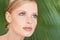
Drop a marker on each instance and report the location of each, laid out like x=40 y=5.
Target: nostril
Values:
x=29 y=22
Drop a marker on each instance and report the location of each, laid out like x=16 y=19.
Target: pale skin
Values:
x=23 y=16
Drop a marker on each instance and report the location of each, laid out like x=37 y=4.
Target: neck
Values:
x=11 y=35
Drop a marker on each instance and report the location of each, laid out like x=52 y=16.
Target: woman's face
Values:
x=23 y=19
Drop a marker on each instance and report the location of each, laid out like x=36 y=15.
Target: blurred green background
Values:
x=48 y=27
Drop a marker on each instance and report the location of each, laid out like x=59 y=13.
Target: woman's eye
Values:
x=34 y=16
x=22 y=13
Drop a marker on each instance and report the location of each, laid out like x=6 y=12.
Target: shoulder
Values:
x=2 y=38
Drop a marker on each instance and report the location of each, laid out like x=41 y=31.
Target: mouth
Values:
x=27 y=29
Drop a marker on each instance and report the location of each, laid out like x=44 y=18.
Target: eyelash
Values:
x=34 y=16
x=23 y=13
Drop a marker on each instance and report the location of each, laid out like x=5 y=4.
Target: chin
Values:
x=28 y=34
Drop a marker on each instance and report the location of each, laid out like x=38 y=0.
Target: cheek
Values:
x=18 y=24
x=18 y=20
x=34 y=24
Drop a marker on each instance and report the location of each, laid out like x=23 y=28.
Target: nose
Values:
x=29 y=20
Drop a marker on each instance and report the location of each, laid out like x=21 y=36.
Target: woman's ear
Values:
x=8 y=17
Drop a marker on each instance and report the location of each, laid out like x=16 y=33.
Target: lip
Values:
x=27 y=28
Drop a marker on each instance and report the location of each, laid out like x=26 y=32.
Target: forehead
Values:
x=31 y=6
